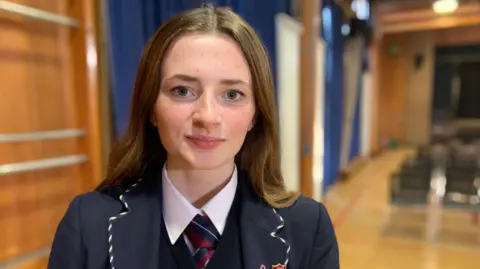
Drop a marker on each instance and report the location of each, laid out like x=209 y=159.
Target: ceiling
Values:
x=393 y=16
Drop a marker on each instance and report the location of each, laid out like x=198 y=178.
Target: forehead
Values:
x=206 y=55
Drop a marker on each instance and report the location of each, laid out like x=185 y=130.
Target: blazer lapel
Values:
x=134 y=234
x=263 y=242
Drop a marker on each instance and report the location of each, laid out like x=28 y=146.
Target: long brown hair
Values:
x=259 y=156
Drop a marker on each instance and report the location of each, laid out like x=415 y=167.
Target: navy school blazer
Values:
x=121 y=229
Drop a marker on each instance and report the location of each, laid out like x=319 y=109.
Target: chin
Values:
x=206 y=160
x=207 y=164
x=203 y=160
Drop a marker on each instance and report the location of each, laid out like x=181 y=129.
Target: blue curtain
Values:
x=332 y=22
x=131 y=23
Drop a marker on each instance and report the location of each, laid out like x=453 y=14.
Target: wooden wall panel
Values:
x=391 y=88
x=49 y=83
x=83 y=48
x=375 y=58
x=31 y=206
x=419 y=90
x=311 y=27
x=458 y=36
x=35 y=150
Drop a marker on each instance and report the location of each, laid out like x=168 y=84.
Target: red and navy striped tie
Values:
x=204 y=237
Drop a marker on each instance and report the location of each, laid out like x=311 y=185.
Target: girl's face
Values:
x=206 y=104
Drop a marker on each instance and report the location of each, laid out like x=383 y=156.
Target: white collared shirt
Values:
x=178 y=212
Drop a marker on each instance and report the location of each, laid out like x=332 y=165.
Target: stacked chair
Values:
x=410 y=185
x=462 y=188
x=410 y=188
x=441 y=178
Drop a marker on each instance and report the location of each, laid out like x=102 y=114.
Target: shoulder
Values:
x=88 y=211
x=81 y=230
x=309 y=214
x=310 y=229
x=95 y=202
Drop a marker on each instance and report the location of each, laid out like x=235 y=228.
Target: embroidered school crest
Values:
x=279 y=266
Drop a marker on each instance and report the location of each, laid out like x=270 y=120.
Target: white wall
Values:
x=288 y=39
x=288 y=44
x=366 y=114
x=318 y=143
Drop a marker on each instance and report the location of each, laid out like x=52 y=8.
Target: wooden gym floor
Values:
x=359 y=207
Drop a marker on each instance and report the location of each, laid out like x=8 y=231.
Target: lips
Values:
x=204 y=142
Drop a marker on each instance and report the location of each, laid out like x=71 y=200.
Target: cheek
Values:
x=170 y=119
x=239 y=122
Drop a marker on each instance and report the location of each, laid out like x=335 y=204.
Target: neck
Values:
x=199 y=186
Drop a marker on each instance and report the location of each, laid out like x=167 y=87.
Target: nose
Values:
x=206 y=114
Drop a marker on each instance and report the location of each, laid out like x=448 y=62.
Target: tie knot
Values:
x=202 y=233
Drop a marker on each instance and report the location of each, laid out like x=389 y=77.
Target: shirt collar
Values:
x=178 y=212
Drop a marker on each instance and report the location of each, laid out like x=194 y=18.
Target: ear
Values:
x=250 y=126
x=153 y=120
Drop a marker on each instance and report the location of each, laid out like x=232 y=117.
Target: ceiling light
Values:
x=445 y=6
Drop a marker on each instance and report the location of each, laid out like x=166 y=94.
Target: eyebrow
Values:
x=188 y=78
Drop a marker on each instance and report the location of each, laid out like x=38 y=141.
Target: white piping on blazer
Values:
x=274 y=234
x=114 y=218
x=122 y=199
